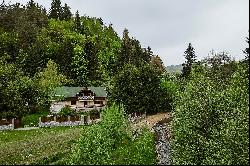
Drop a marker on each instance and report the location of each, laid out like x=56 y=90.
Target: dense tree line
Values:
x=85 y=50
x=41 y=50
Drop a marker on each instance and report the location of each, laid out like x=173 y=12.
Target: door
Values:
x=85 y=103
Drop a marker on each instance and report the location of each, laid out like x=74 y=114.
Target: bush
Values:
x=210 y=123
x=98 y=141
x=109 y=142
x=67 y=111
x=33 y=119
x=170 y=86
x=140 y=151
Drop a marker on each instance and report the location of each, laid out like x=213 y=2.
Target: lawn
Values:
x=41 y=146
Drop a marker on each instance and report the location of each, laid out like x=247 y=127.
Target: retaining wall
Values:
x=7 y=124
x=68 y=121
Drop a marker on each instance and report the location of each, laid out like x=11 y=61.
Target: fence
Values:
x=10 y=124
x=52 y=121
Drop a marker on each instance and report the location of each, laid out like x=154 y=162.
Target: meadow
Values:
x=40 y=146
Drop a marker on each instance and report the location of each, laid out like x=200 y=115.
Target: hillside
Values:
x=174 y=68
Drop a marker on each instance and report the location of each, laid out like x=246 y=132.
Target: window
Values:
x=98 y=102
x=73 y=102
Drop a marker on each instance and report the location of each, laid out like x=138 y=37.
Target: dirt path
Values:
x=151 y=120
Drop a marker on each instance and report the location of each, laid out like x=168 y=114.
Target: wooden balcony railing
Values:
x=86 y=97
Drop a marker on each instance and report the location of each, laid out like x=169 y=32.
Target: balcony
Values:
x=86 y=97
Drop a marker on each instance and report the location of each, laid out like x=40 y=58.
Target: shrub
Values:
x=210 y=124
x=140 y=151
x=33 y=119
x=98 y=141
x=170 y=86
x=110 y=142
x=67 y=111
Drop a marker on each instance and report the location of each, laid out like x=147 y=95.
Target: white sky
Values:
x=167 y=26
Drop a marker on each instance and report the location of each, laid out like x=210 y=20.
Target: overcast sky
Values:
x=167 y=26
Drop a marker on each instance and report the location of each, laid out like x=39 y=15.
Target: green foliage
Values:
x=67 y=111
x=158 y=64
x=66 y=13
x=138 y=89
x=210 y=123
x=33 y=119
x=79 y=66
x=190 y=60
x=220 y=68
x=98 y=142
x=170 y=85
x=138 y=152
x=20 y=94
x=78 y=26
x=246 y=51
x=14 y=91
x=56 y=10
x=110 y=142
x=131 y=52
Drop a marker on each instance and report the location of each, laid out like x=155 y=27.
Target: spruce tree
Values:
x=126 y=50
x=31 y=4
x=55 y=10
x=66 y=13
x=246 y=51
x=78 y=22
x=190 y=60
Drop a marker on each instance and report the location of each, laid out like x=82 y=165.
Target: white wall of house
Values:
x=57 y=106
x=81 y=103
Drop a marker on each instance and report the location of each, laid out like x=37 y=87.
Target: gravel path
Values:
x=162 y=142
x=27 y=128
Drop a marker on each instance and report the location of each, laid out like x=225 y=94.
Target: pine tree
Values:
x=158 y=64
x=92 y=58
x=78 y=22
x=66 y=13
x=246 y=51
x=126 y=50
x=31 y=4
x=55 y=10
x=190 y=60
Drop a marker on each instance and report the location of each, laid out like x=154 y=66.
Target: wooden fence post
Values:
x=13 y=123
x=40 y=121
x=82 y=120
x=88 y=119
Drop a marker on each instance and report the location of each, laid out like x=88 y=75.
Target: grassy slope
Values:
x=43 y=146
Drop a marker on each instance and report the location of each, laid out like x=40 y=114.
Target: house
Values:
x=78 y=98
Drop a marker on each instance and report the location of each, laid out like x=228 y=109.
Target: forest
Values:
x=43 y=49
